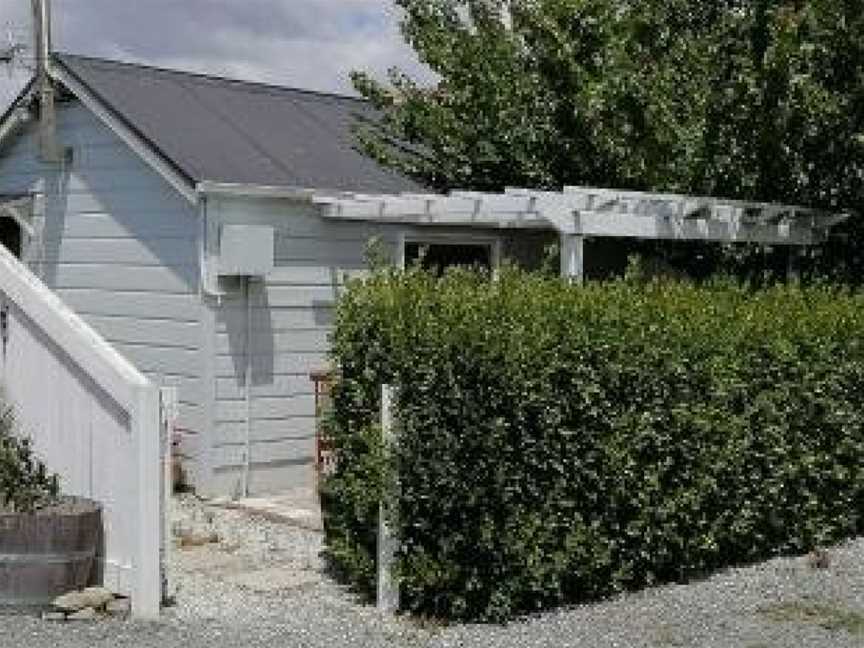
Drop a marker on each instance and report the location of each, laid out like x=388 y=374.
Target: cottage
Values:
x=160 y=225
x=204 y=227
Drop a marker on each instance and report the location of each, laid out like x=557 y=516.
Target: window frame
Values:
x=494 y=243
x=29 y=229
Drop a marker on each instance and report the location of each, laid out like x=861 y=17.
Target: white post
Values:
x=168 y=404
x=388 y=588
x=573 y=257
x=146 y=422
x=793 y=265
x=247 y=386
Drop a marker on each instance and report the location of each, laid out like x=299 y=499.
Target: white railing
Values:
x=94 y=419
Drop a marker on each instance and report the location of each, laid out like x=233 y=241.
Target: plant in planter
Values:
x=48 y=542
x=25 y=483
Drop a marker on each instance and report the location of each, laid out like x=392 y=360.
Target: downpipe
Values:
x=247 y=387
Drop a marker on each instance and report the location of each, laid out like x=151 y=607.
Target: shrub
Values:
x=25 y=483
x=561 y=443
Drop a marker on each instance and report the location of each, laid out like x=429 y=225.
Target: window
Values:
x=10 y=235
x=16 y=222
x=438 y=255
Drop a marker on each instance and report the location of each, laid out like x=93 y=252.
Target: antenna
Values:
x=12 y=51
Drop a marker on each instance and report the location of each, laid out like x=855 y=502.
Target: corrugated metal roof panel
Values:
x=221 y=130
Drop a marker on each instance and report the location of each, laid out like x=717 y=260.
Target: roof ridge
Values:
x=212 y=77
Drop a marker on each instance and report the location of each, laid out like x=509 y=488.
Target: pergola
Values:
x=580 y=212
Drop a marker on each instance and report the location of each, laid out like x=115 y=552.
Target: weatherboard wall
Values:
x=120 y=247
x=291 y=318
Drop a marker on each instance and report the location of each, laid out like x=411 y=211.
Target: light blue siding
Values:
x=120 y=247
x=291 y=317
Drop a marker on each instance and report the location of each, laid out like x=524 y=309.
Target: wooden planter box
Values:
x=49 y=552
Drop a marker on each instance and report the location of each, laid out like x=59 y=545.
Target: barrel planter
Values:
x=48 y=552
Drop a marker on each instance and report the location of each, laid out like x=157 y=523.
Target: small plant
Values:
x=25 y=483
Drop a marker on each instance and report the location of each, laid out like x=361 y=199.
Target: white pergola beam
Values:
x=604 y=224
x=705 y=201
x=595 y=212
x=485 y=219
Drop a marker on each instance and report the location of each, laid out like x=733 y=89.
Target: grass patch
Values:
x=826 y=616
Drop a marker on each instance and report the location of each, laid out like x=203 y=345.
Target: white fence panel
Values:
x=94 y=419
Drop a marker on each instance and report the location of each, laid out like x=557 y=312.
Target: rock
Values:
x=71 y=602
x=87 y=614
x=198 y=539
x=118 y=607
x=53 y=616
x=98 y=596
x=818 y=559
x=95 y=597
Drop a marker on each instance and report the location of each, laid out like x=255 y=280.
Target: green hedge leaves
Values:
x=561 y=443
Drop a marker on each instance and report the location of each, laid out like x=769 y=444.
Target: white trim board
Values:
x=142 y=148
x=11 y=127
x=116 y=375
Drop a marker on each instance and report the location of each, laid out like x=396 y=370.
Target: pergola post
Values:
x=573 y=257
x=793 y=264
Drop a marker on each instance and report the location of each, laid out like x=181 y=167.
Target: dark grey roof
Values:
x=222 y=130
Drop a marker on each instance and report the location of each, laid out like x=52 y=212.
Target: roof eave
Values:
x=16 y=115
x=251 y=190
x=114 y=120
x=248 y=190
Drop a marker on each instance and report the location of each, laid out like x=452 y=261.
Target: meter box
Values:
x=246 y=250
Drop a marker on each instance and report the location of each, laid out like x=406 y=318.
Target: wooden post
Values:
x=573 y=257
x=388 y=588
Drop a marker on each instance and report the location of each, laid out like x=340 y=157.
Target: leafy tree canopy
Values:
x=752 y=99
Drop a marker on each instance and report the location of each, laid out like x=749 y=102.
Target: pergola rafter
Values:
x=579 y=212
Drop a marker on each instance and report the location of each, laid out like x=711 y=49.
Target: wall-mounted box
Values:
x=246 y=250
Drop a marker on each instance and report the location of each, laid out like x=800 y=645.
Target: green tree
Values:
x=751 y=99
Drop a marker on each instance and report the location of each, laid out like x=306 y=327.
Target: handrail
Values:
x=89 y=350
x=41 y=312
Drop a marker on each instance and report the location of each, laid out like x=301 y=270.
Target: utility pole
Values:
x=48 y=149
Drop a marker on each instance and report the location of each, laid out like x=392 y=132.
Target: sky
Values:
x=312 y=44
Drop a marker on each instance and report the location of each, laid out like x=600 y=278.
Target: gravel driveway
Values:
x=262 y=584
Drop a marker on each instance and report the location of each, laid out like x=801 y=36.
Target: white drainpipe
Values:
x=247 y=380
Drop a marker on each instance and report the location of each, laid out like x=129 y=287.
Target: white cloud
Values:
x=312 y=44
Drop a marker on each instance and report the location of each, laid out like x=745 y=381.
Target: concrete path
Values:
x=299 y=507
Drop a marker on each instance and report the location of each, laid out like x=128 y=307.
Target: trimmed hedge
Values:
x=560 y=443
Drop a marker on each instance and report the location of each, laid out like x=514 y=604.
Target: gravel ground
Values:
x=262 y=584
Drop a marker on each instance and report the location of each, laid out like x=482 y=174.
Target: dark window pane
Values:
x=10 y=235
x=439 y=256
